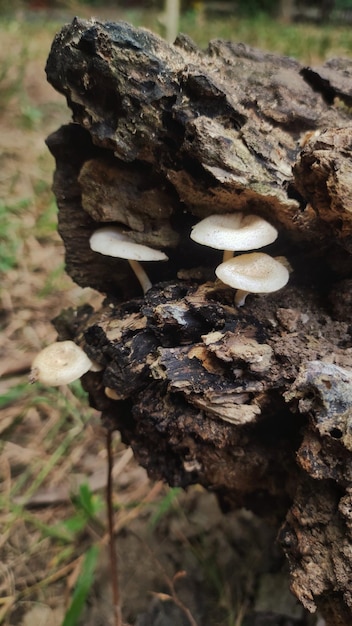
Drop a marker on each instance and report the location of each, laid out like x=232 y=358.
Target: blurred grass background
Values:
x=52 y=446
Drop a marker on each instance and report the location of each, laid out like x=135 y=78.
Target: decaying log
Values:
x=255 y=402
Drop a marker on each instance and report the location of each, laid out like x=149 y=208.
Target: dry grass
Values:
x=51 y=441
x=53 y=452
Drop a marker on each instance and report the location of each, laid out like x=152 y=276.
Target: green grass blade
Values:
x=14 y=394
x=164 y=506
x=84 y=583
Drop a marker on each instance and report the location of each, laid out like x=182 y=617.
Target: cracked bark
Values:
x=253 y=403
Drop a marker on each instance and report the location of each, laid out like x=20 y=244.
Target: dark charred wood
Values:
x=253 y=403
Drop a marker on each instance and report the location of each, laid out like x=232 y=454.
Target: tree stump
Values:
x=253 y=403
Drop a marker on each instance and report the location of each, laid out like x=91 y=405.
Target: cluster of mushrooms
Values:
x=248 y=273
x=231 y=232
x=63 y=362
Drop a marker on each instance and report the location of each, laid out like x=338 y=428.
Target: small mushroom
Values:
x=234 y=232
x=112 y=394
x=112 y=241
x=60 y=363
x=252 y=273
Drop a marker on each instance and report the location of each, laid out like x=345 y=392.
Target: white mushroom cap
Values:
x=234 y=231
x=112 y=241
x=253 y=273
x=59 y=364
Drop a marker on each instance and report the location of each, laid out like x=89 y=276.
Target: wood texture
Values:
x=254 y=403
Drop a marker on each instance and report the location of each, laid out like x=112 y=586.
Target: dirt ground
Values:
x=181 y=560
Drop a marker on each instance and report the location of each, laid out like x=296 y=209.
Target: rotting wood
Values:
x=253 y=403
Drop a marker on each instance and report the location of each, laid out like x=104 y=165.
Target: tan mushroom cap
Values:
x=234 y=231
x=112 y=241
x=60 y=363
x=254 y=273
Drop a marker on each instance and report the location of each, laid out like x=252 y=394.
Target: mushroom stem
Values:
x=227 y=255
x=252 y=273
x=141 y=275
x=112 y=241
x=240 y=297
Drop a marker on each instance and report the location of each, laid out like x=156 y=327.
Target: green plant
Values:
x=253 y=8
x=30 y=115
x=343 y=5
x=68 y=533
x=11 y=79
x=10 y=232
x=14 y=394
x=46 y=223
x=87 y=505
x=83 y=586
x=80 y=531
x=164 y=506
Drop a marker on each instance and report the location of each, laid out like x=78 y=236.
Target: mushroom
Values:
x=234 y=232
x=60 y=363
x=112 y=394
x=252 y=273
x=112 y=241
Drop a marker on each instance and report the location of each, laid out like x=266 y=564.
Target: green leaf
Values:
x=76 y=523
x=83 y=586
x=87 y=502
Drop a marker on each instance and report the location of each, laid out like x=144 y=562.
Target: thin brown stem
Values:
x=112 y=549
x=179 y=602
x=170 y=582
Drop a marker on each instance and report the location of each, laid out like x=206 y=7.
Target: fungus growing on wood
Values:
x=112 y=241
x=111 y=393
x=234 y=232
x=252 y=273
x=60 y=363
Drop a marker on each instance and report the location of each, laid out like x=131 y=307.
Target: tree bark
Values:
x=254 y=403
